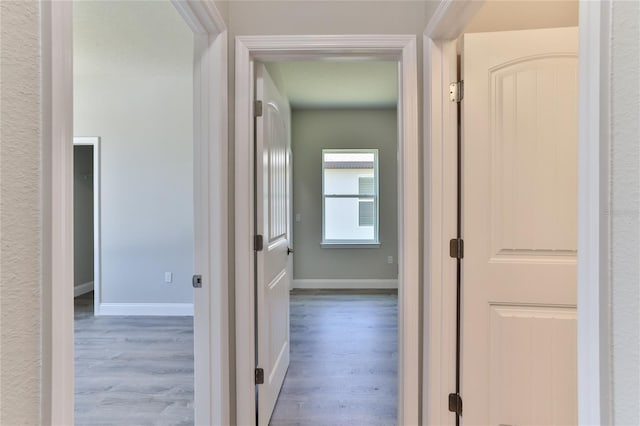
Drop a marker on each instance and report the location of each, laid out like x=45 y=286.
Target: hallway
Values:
x=343 y=368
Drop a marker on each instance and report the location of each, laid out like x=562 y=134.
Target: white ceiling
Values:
x=500 y=15
x=337 y=84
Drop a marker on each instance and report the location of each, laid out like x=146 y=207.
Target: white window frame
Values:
x=346 y=243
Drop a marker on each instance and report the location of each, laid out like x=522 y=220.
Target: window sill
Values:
x=349 y=245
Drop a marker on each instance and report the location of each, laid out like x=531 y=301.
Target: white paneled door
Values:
x=520 y=136
x=273 y=176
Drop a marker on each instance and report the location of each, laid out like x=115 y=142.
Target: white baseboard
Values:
x=345 y=284
x=82 y=289
x=146 y=309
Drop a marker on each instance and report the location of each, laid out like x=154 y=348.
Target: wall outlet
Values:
x=168 y=277
x=390 y=260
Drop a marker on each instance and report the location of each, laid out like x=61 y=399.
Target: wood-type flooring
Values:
x=343 y=370
x=132 y=370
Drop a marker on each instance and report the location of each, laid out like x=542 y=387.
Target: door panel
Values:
x=273 y=167
x=534 y=156
x=531 y=353
x=520 y=227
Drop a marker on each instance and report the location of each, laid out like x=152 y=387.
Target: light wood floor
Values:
x=132 y=370
x=343 y=368
x=343 y=371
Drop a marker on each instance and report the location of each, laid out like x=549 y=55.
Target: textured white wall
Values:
x=19 y=213
x=133 y=87
x=625 y=211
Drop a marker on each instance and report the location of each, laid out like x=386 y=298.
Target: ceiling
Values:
x=500 y=15
x=337 y=84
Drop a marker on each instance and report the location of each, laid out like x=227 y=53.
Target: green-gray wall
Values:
x=313 y=131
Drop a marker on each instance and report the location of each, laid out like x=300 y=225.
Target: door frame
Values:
x=94 y=141
x=210 y=216
x=440 y=68
x=401 y=48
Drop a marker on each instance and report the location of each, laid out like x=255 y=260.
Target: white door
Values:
x=273 y=166
x=520 y=135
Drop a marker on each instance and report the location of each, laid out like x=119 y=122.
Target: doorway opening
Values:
x=208 y=52
x=339 y=334
x=86 y=207
x=134 y=328
x=400 y=51
x=511 y=158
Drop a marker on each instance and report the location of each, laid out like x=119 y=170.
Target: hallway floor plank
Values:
x=343 y=368
x=132 y=370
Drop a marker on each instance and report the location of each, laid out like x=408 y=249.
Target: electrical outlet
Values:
x=168 y=277
x=390 y=260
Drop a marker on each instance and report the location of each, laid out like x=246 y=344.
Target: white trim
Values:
x=451 y=18
x=97 y=215
x=203 y=17
x=349 y=245
x=211 y=228
x=57 y=213
x=212 y=404
x=440 y=178
x=345 y=283
x=146 y=309
x=393 y=47
x=83 y=288
x=594 y=370
x=440 y=159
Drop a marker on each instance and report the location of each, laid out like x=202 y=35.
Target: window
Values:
x=349 y=197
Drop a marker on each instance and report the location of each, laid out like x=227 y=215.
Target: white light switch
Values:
x=390 y=260
x=298 y=217
x=168 y=277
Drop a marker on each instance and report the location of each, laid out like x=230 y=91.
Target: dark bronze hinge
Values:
x=257 y=243
x=259 y=375
x=257 y=109
x=455 y=403
x=456 y=248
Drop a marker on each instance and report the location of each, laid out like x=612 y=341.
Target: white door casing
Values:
x=273 y=177
x=520 y=133
x=212 y=404
x=401 y=48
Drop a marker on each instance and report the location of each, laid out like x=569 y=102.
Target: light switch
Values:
x=298 y=217
x=168 y=277
x=390 y=260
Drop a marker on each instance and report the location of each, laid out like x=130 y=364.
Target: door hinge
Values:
x=257 y=109
x=196 y=281
x=257 y=243
x=456 y=248
x=259 y=375
x=456 y=91
x=455 y=403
